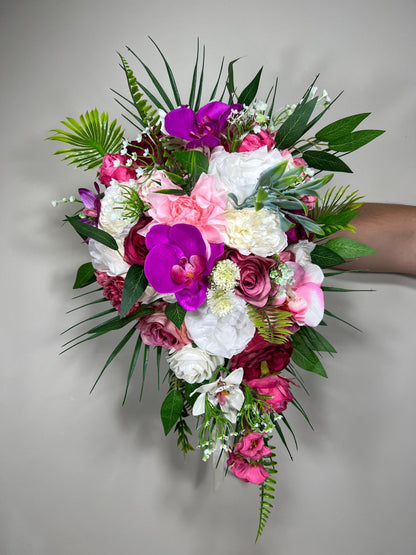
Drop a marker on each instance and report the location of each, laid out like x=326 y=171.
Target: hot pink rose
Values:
x=253 y=472
x=259 y=350
x=275 y=386
x=119 y=172
x=254 y=285
x=135 y=250
x=255 y=141
x=252 y=446
x=157 y=330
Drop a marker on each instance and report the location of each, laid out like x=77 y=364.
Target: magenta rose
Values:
x=157 y=330
x=255 y=141
x=252 y=446
x=119 y=171
x=135 y=250
x=259 y=350
x=113 y=290
x=254 y=285
x=148 y=151
x=252 y=472
x=275 y=386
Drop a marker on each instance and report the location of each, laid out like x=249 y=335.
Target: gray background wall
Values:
x=81 y=475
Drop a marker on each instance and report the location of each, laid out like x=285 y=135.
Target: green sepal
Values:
x=325 y=258
x=294 y=127
x=249 y=93
x=305 y=357
x=322 y=160
x=340 y=128
x=133 y=288
x=86 y=231
x=175 y=313
x=171 y=410
x=85 y=276
x=193 y=162
x=348 y=248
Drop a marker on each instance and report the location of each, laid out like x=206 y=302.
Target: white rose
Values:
x=223 y=336
x=238 y=172
x=254 y=231
x=192 y=364
x=108 y=260
x=303 y=251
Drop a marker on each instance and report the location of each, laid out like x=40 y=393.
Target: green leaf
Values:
x=133 y=364
x=85 y=276
x=322 y=160
x=340 y=128
x=175 y=313
x=90 y=138
x=249 y=93
x=325 y=258
x=86 y=231
x=230 y=81
x=171 y=409
x=193 y=162
x=355 y=140
x=170 y=75
x=133 y=288
x=328 y=313
x=315 y=340
x=348 y=248
x=116 y=323
x=294 y=127
x=305 y=358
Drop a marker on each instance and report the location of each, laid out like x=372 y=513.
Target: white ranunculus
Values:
x=108 y=260
x=192 y=364
x=303 y=251
x=223 y=336
x=238 y=172
x=111 y=219
x=254 y=231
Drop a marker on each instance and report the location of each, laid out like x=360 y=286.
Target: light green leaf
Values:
x=171 y=409
x=348 y=248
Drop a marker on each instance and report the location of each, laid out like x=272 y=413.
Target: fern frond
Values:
x=273 y=325
x=337 y=209
x=91 y=138
x=267 y=489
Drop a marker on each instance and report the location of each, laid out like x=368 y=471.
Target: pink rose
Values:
x=255 y=141
x=293 y=162
x=252 y=446
x=135 y=250
x=253 y=472
x=157 y=330
x=254 y=285
x=259 y=350
x=119 y=171
x=275 y=386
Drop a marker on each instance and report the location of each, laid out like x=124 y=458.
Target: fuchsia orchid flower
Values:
x=92 y=204
x=179 y=262
x=201 y=128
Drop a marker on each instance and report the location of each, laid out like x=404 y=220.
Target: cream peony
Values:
x=108 y=260
x=238 y=172
x=223 y=336
x=192 y=364
x=254 y=231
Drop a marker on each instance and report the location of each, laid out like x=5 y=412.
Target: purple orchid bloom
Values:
x=201 y=128
x=178 y=262
x=92 y=204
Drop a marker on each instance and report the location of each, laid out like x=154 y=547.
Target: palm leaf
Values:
x=91 y=138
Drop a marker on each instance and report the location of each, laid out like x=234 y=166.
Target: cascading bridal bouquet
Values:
x=209 y=239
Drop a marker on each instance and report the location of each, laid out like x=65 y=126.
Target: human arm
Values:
x=390 y=229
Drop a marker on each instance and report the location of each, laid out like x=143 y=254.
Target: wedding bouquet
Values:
x=208 y=238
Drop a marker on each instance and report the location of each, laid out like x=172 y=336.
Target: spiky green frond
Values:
x=91 y=138
x=337 y=209
x=147 y=114
x=267 y=489
x=273 y=325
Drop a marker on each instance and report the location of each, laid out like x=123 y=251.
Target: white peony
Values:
x=108 y=260
x=254 y=231
x=111 y=213
x=223 y=336
x=192 y=364
x=238 y=172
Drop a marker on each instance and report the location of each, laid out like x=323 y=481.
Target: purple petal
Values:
x=158 y=266
x=191 y=298
x=214 y=111
x=189 y=238
x=156 y=235
x=206 y=140
x=217 y=250
x=181 y=123
x=87 y=197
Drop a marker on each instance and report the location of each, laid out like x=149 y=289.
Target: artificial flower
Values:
x=252 y=472
x=192 y=364
x=135 y=250
x=108 y=260
x=115 y=167
x=158 y=331
x=254 y=141
x=275 y=387
x=92 y=205
x=251 y=446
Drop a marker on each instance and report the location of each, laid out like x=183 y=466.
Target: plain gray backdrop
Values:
x=81 y=475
